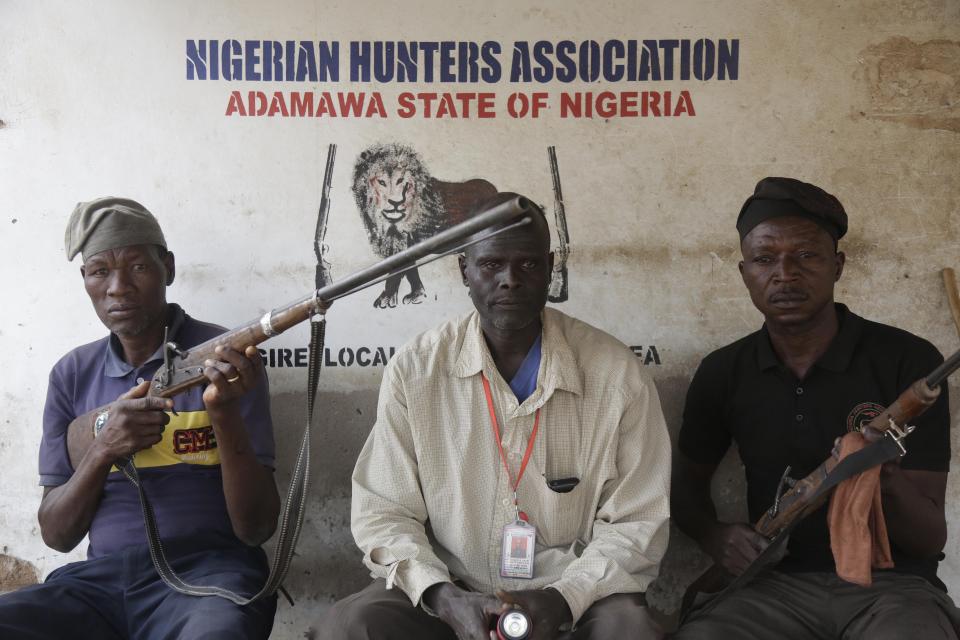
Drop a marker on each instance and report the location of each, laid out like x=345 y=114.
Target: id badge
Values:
x=519 y=546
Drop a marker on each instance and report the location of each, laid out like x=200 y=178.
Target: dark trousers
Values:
x=120 y=596
x=821 y=606
x=378 y=613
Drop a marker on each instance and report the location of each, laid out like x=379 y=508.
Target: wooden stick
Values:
x=953 y=295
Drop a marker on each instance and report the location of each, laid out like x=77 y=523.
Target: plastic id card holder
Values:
x=516 y=553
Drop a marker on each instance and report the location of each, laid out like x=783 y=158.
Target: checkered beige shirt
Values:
x=431 y=496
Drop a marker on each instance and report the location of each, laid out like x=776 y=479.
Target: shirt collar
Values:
x=838 y=355
x=558 y=365
x=116 y=367
x=766 y=358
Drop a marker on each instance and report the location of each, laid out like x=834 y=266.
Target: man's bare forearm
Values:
x=914 y=515
x=80 y=435
x=248 y=486
x=691 y=505
x=66 y=511
x=135 y=422
x=695 y=517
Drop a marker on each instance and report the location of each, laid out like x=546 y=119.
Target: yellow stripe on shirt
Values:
x=187 y=439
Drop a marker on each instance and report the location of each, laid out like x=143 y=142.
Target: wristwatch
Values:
x=100 y=422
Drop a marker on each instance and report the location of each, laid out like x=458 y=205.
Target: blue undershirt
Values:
x=524 y=382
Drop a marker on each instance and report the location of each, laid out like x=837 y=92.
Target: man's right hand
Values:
x=734 y=546
x=469 y=614
x=136 y=422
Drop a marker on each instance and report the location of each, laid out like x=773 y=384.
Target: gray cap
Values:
x=108 y=223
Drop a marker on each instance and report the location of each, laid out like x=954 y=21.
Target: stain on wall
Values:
x=913 y=83
x=16 y=572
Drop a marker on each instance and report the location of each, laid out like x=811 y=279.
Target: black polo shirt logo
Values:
x=862 y=414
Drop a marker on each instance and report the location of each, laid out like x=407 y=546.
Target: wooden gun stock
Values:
x=915 y=400
x=183 y=369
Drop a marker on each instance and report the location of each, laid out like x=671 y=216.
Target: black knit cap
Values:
x=779 y=197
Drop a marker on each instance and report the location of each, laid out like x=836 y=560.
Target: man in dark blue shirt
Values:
x=207 y=468
x=784 y=394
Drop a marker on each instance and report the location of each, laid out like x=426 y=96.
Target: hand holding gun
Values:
x=886 y=432
x=184 y=369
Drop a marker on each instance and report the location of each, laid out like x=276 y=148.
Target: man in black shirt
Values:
x=784 y=394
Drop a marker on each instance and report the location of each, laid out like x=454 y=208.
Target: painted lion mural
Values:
x=401 y=204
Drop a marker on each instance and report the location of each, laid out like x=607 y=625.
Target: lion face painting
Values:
x=395 y=197
x=392 y=192
x=401 y=204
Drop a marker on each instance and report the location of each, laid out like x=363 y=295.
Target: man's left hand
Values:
x=547 y=608
x=231 y=375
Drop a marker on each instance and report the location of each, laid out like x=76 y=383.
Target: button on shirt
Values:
x=431 y=496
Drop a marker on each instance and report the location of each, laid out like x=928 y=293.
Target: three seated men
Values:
x=519 y=457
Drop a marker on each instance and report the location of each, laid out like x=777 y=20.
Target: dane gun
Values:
x=183 y=369
x=886 y=431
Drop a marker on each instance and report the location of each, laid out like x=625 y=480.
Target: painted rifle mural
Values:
x=323 y=277
x=401 y=204
x=558 y=281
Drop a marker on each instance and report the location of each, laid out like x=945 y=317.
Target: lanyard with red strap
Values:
x=526 y=456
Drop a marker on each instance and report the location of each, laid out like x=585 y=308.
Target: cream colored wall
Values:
x=859 y=97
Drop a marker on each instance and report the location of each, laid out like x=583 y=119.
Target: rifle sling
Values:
x=291 y=519
x=293 y=508
x=870 y=456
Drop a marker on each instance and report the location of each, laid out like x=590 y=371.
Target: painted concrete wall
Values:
x=859 y=97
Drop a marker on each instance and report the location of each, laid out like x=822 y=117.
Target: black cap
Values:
x=779 y=197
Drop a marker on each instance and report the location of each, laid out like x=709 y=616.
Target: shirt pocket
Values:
x=559 y=517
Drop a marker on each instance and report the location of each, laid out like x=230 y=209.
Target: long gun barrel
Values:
x=184 y=369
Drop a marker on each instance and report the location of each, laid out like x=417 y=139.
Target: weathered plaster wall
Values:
x=859 y=97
